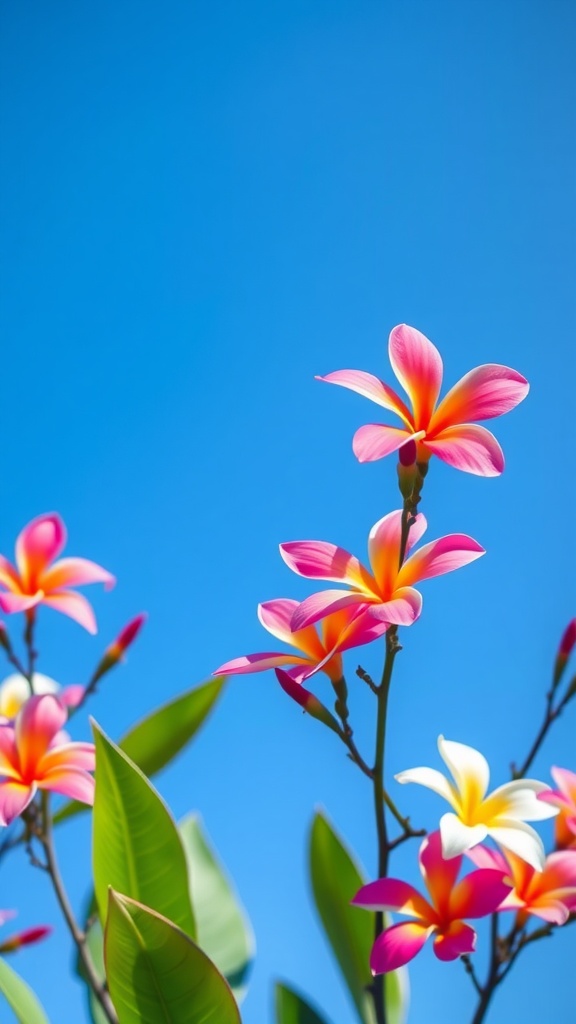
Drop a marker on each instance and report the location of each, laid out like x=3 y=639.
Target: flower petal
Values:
x=14 y=798
x=371 y=387
x=470 y=448
x=76 y=785
x=39 y=543
x=393 y=894
x=521 y=839
x=276 y=617
x=75 y=606
x=439 y=874
x=398 y=945
x=553 y=911
x=418 y=366
x=350 y=627
x=469 y=769
x=519 y=800
x=402 y=610
x=325 y=602
x=37 y=723
x=75 y=572
x=439 y=557
x=458 y=837
x=384 y=542
x=375 y=440
x=8 y=576
x=13 y=603
x=319 y=560
x=72 y=755
x=9 y=760
x=259 y=663
x=432 y=779
x=487 y=391
x=480 y=893
x=457 y=939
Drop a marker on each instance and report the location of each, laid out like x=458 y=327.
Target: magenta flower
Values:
x=565 y=799
x=387 y=590
x=441 y=430
x=38 y=579
x=549 y=894
x=35 y=754
x=24 y=938
x=478 y=894
x=339 y=632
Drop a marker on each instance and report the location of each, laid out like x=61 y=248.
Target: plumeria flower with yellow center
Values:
x=565 y=799
x=438 y=429
x=36 y=754
x=38 y=579
x=15 y=691
x=387 y=590
x=549 y=894
x=316 y=651
x=442 y=915
x=501 y=814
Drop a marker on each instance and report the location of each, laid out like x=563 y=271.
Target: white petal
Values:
x=468 y=766
x=522 y=840
x=432 y=779
x=520 y=802
x=457 y=837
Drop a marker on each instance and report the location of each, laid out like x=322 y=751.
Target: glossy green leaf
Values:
x=20 y=997
x=154 y=741
x=292 y=1008
x=335 y=879
x=157 y=975
x=136 y=846
x=222 y=929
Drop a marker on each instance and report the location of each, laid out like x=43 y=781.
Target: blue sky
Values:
x=202 y=207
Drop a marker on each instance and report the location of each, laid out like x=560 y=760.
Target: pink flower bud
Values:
x=24 y=938
x=125 y=637
x=306 y=700
x=564 y=651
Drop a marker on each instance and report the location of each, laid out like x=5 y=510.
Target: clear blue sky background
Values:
x=204 y=205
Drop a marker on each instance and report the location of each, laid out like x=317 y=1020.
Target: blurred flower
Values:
x=564 y=798
x=15 y=691
x=476 y=895
x=564 y=651
x=24 y=938
x=339 y=632
x=502 y=814
x=115 y=652
x=441 y=430
x=36 y=754
x=549 y=894
x=38 y=579
x=388 y=589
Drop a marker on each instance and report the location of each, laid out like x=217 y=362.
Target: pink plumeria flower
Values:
x=565 y=799
x=502 y=814
x=15 y=691
x=441 y=430
x=387 y=590
x=24 y=938
x=442 y=915
x=35 y=754
x=38 y=579
x=549 y=894
x=339 y=632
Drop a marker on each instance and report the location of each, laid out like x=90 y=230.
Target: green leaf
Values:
x=292 y=1008
x=156 y=974
x=20 y=997
x=95 y=947
x=222 y=929
x=136 y=846
x=336 y=878
x=154 y=741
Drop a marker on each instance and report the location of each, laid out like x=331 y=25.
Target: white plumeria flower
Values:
x=15 y=691
x=502 y=814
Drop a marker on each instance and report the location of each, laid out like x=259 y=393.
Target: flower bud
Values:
x=564 y=651
x=24 y=938
x=113 y=654
x=306 y=700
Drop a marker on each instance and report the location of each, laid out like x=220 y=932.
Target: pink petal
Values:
x=566 y=782
x=325 y=602
x=370 y=387
x=483 y=857
x=74 y=572
x=71 y=696
x=12 y=603
x=470 y=448
x=375 y=440
x=418 y=366
x=459 y=938
x=479 y=894
x=393 y=894
x=14 y=798
x=258 y=663
x=484 y=392
x=439 y=557
x=71 y=755
x=439 y=874
x=9 y=760
x=36 y=724
x=402 y=610
x=553 y=911
x=350 y=627
x=384 y=548
x=8 y=575
x=560 y=869
x=39 y=543
x=319 y=560
x=74 y=784
x=75 y=606
x=398 y=945
x=276 y=617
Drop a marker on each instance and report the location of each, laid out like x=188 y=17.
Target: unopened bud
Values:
x=24 y=938
x=306 y=700
x=114 y=653
x=564 y=651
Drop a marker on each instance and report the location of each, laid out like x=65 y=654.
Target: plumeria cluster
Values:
x=372 y=601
